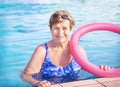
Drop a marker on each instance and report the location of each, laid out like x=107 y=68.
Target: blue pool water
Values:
x=24 y=25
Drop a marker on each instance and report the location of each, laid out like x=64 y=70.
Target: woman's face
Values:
x=61 y=31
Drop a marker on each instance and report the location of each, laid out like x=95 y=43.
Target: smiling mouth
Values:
x=60 y=36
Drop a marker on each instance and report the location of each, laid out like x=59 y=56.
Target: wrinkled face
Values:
x=61 y=31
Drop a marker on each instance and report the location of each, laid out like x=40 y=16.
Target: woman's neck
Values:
x=59 y=45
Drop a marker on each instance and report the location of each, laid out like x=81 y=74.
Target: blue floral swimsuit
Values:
x=55 y=74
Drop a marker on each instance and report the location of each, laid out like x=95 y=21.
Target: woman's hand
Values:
x=105 y=67
x=44 y=83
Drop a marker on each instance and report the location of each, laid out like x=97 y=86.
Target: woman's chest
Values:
x=60 y=58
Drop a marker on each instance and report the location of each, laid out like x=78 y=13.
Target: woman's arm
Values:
x=34 y=65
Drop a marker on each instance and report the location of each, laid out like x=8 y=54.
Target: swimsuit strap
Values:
x=47 y=54
x=46 y=47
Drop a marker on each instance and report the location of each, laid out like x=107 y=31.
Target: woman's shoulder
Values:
x=82 y=51
x=40 y=48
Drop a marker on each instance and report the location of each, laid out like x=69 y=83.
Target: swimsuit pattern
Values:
x=54 y=74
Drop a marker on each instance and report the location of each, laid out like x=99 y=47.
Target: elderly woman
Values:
x=52 y=61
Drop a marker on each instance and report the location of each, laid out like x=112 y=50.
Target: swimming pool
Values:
x=24 y=25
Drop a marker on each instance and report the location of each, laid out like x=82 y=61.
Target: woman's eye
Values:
x=56 y=28
x=64 y=28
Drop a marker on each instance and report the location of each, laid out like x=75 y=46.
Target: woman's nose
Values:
x=60 y=31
